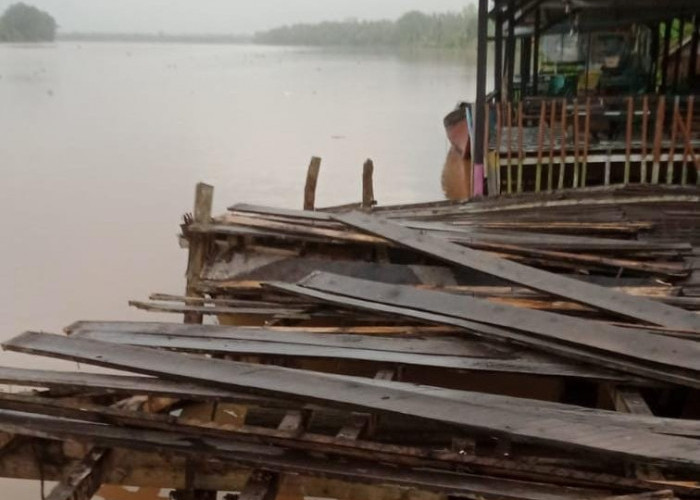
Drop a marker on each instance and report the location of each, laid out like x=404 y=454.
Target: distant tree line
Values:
x=25 y=23
x=152 y=38
x=413 y=29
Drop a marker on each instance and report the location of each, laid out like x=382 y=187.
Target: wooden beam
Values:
x=198 y=245
x=636 y=308
x=373 y=395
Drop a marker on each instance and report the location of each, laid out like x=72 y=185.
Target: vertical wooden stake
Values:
x=552 y=121
x=670 y=170
x=587 y=142
x=311 y=179
x=628 y=138
x=576 y=143
x=562 y=169
x=198 y=246
x=368 y=200
x=540 y=139
x=520 y=147
x=645 y=134
x=688 y=126
x=499 y=137
x=509 y=139
x=658 y=136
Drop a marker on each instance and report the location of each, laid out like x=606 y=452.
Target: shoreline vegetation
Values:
x=413 y=30
x=22 y=23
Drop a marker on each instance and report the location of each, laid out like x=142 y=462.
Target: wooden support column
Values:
x=480 y=105
x=510 y=50
x=199 y=245
x=310 y=186
x=498 y=54
x=368 y=200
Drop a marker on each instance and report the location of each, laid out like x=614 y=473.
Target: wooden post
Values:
x=672 y=149
x=628 y=138
x=520 y=147
x=658 y=136
x=536 y=54
x=510 y=49
x=576 y=144
x=586 y=144
x=552 y=121
x=499 y=140
x=509 y=140
x=645 y=133
x=368 y=200
x=199 y=245
x=498 y=55
x=688 y=125
x=479 y=118
x=310 y=186
x=491 y=176
x=540 y=140
x=562 y=166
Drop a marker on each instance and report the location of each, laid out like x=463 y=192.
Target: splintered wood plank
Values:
x=463 y=357
x=480 y=317
x=382 y=396
x=614 y=302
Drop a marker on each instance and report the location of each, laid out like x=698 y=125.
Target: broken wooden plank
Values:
x=278 y=460
x=601 y=298
x=464 y=357
x=674 y=354
x=391 y=397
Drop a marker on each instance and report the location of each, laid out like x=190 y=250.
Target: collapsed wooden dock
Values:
x=535 y=346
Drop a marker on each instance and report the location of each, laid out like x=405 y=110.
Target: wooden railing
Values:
x=548 y=144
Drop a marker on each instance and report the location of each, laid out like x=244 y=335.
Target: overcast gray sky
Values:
x=220 y=16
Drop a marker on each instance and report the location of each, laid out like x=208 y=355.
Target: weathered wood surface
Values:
x=446 y=352
x=70 y=383
x=607 y=300
x=311 y=181
x=277 y=459
x=410 y=302
x=462 y=234
x=373 y=395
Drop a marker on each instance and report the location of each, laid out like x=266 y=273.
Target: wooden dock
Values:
x=538 y=346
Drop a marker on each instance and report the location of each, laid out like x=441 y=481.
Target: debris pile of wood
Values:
x=533 y=348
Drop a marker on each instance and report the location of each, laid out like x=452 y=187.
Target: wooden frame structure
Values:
x=518 y=29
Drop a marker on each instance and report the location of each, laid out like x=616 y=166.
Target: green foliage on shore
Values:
x=413 y=29
x=25 y=23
